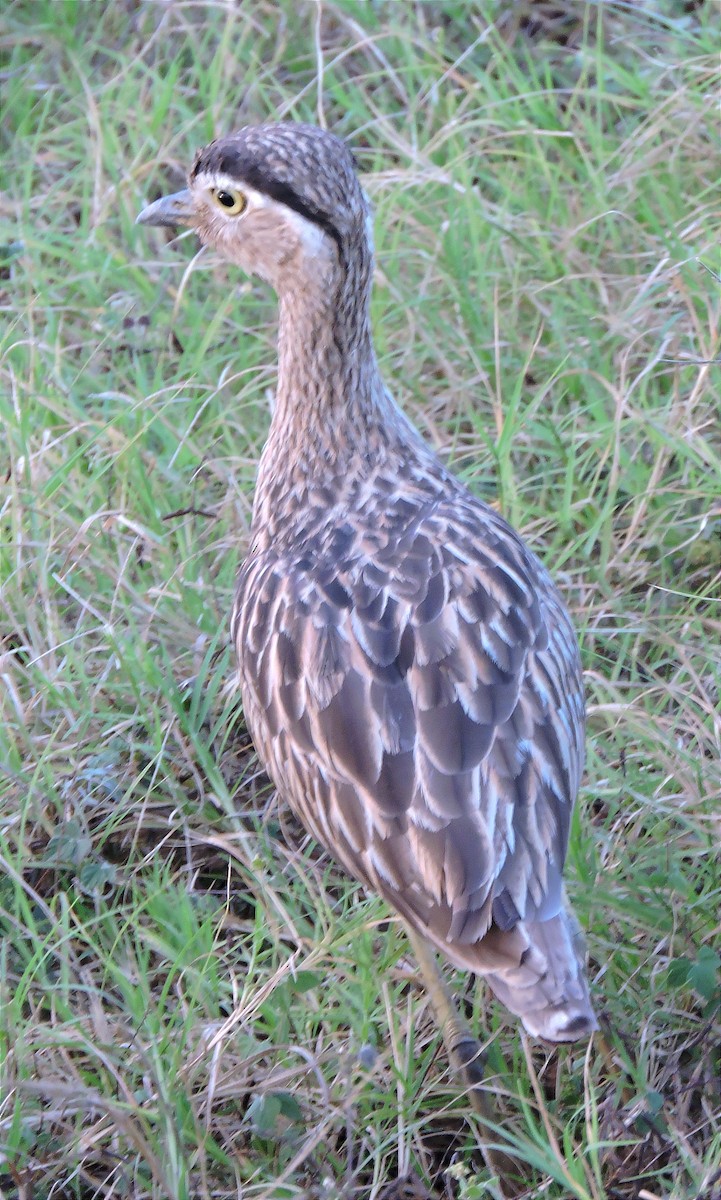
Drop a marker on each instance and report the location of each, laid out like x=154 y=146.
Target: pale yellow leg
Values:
x=467 y=1058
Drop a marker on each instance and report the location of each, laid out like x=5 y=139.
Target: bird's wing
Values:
x=420 y=706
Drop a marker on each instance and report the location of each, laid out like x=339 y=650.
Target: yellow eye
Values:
x=232 y=202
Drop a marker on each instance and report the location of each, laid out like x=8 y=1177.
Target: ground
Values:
x=196 y=1002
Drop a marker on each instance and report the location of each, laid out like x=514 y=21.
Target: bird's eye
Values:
x=232 y=203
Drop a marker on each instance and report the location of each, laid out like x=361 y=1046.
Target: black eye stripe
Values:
x=285 y=195
x=236 y=165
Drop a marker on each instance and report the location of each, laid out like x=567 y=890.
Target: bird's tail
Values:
x=547 y=987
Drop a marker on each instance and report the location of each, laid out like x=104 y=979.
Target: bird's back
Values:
x=412 y=683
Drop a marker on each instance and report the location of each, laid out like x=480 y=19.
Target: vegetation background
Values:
x=195 y=1002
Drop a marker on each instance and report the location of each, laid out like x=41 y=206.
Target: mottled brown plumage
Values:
x=410 y=675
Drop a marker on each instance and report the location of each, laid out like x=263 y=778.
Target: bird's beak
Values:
x=169 y=210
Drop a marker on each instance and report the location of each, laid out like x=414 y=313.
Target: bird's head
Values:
x=281 y=201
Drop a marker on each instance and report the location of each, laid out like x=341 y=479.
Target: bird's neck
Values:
x=327 y=371
x=332 y=413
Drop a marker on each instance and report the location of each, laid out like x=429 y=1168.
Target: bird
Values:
x=409 y=672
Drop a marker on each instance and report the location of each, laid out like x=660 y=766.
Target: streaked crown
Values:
x=306 y=168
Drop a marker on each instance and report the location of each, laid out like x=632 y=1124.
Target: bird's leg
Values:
x=463 y=1048
x=466 y=1056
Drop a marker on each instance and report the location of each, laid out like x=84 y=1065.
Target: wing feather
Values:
x=423 y=714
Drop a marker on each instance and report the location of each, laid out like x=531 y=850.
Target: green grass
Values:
x=195 y=1002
